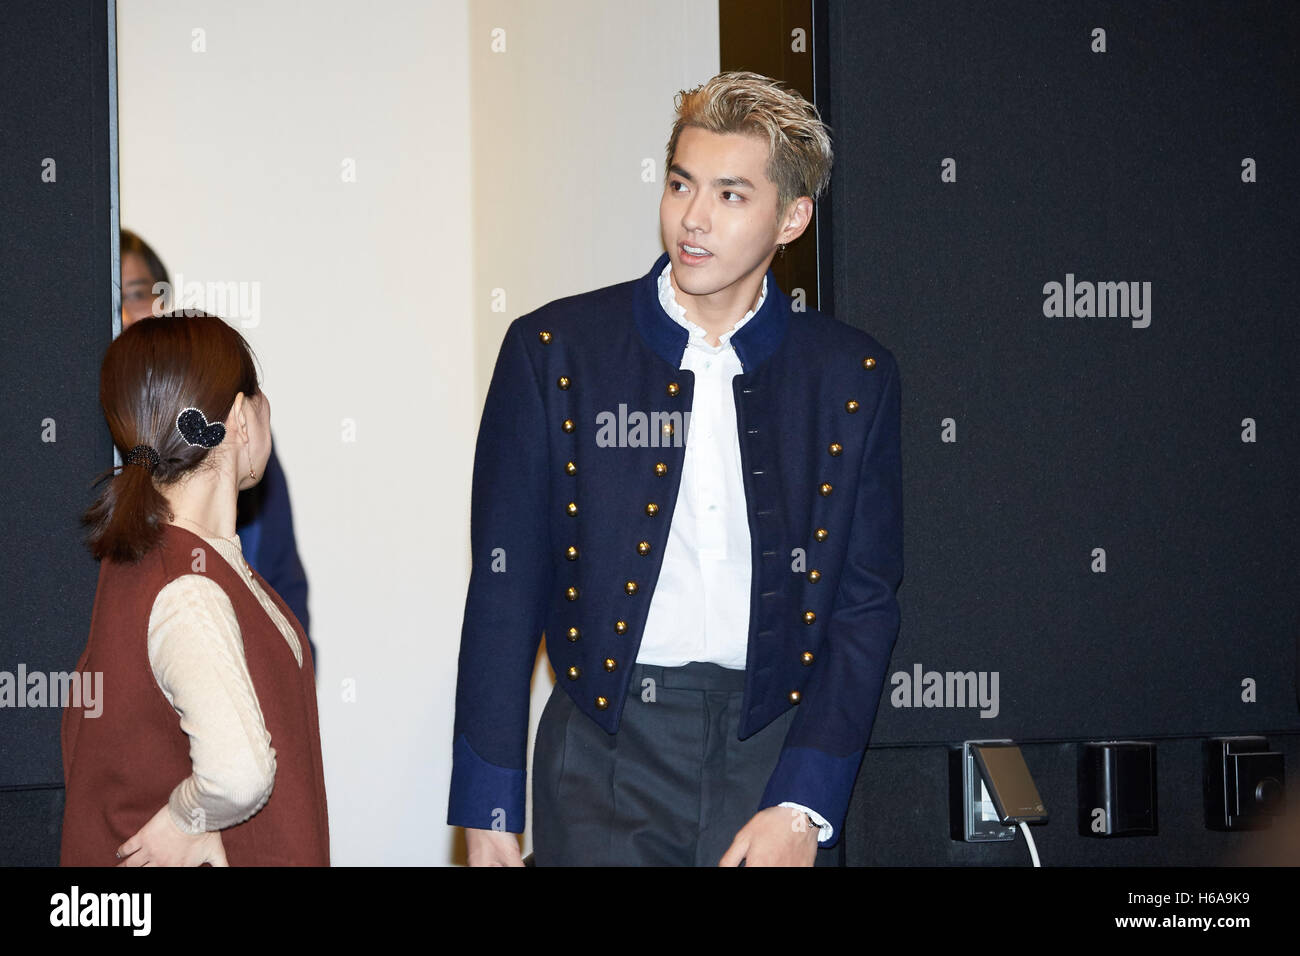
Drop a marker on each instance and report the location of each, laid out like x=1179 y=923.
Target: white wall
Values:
x=476 y=171
x=565 y=121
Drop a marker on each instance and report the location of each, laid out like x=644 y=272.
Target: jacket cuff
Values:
x=483 y=795
x=812 y=778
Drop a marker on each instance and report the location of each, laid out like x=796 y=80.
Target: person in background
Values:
x=185 y=635
x=265 y=520
x=141 y=269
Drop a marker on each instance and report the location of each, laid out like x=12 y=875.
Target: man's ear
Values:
x=796 y=219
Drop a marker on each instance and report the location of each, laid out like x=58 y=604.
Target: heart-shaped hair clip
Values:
x=194 y=428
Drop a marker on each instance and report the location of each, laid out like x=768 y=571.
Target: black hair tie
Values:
x=144 y=456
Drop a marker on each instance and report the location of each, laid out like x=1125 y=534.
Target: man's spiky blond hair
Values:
x=799 y=143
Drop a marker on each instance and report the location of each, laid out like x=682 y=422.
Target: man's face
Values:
x=718 y=199
x=137 y=289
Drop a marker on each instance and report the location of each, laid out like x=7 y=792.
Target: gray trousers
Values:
x=671 y=788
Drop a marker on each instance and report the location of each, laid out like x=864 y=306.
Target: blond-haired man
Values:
x=692 y=485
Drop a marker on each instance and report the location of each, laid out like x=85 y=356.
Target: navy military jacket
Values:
x=576 y=475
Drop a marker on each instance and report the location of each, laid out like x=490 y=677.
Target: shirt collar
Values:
x=698 y=336
x=754 y=342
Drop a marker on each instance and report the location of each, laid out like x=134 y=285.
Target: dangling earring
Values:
x=252 y=476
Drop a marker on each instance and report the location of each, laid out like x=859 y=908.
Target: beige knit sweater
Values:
x=197 y=656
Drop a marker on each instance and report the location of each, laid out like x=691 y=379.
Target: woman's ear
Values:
x=237 y=420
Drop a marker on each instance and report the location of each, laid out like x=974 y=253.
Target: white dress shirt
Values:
x=700 y=607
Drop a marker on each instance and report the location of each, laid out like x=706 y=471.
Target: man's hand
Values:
x=492 y=848
x=777 y=836
x=160 y=842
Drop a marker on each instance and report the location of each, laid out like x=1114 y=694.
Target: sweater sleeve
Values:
x=197 y=656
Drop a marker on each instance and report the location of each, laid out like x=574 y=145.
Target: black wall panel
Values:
x=984 y=151
x=58 y=302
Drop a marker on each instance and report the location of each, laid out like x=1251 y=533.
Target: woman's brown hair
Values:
x=155 y=369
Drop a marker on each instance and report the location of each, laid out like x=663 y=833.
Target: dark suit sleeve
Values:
x=277 y=548
x=510 y=578
x=826 y=741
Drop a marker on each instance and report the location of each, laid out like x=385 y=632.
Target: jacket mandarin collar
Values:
x=757 y=339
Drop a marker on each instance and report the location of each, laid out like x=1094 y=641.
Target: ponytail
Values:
x=127 y=519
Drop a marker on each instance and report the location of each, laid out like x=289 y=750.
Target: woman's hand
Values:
x=160 y=842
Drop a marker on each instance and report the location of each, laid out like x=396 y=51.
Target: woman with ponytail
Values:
x=207 y=746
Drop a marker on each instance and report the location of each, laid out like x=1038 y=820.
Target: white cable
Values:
x=1029 y=839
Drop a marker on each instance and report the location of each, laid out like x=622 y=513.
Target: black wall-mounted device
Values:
x=1117 y=789
x=1245 y=783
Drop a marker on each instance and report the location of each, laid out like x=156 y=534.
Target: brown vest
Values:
x=121 y=766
